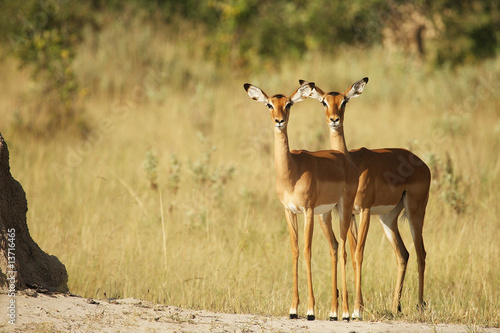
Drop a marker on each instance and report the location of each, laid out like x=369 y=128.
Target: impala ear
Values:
x=356 y=89
x=315 y=92
x=256 y=93
x=302 y=92
x=318 y=94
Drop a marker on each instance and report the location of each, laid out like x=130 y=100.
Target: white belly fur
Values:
x=322 y=209
x=377 y=210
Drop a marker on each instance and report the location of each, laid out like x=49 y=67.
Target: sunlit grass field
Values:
x=171 y=197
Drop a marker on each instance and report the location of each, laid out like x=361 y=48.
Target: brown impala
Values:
x=310 y=183
x=390 y=180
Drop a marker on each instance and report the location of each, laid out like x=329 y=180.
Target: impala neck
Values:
x=282 y=156
x=337 y=140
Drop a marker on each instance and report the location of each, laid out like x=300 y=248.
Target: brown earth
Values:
x=37 y=312
x=22 y=263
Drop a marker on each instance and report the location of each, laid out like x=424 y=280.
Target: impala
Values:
x=390 y=180
x=310 y=183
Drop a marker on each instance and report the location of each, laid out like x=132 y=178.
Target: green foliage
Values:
x=246 y=33
x=449 y=186
x=210 y=179
x=45 y=40
x=150 y=165
x=249 y=31
x=174 y=174
x=468 y=30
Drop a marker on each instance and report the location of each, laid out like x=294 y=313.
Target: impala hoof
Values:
x=356 y=315
x=311 y=317
x=333 y=318
x=422 y=306
x=346 y=319
x=293 y=316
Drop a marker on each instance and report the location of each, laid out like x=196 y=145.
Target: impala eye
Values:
x=324 y=103
x=288 y=105
x=270 y=106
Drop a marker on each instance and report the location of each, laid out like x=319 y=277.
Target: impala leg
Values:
x=345 y=221
x=358 y=257
x=352 y=236
x=291 y=219
x=415 y=209
x=390 y=224
x=326 y=225
x=308 y=234
x=421 y=254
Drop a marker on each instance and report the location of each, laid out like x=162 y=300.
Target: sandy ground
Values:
x=37 y=312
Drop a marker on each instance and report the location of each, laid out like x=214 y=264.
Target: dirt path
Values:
x=37 y=312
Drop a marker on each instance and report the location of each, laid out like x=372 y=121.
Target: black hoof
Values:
x=333 y=318
x=293 y=316
x=346 y=319
x=311 y=317
x=422 y=306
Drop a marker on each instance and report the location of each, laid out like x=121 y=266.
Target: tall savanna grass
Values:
x=211 y=232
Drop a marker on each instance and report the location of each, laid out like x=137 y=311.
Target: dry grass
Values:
x=226 y=241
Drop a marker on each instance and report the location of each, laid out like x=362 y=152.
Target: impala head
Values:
x=335 y=102
x=279 y=105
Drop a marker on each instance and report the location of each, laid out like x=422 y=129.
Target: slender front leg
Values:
x=352 y=236
x=308 y=235
x=360 y=248
x=291 y=220
x=326 y=225
x=345 y=221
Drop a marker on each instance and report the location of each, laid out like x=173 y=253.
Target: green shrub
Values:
x=150 y=165
x=468 y=30
x=45 y=39
x=450 y=186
